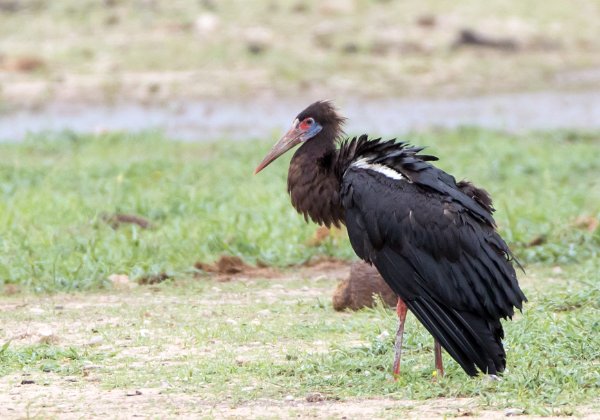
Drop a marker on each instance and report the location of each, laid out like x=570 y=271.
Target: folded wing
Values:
x=434 y=243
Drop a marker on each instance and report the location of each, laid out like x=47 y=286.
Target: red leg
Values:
x=401 y=310
x=439 y=366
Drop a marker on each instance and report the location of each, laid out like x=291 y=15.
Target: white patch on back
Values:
x=382 y=169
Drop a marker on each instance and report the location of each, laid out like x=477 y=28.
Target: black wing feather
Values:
x=434 y=243
x=406 y=160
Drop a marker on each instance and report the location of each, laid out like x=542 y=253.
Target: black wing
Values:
x=437 y=249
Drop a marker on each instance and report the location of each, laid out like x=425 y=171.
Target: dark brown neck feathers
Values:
x=312 y=183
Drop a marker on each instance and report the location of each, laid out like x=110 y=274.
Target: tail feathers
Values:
x=490 y=335
x=472 y=341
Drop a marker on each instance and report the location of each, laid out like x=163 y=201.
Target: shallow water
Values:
x=209 y=120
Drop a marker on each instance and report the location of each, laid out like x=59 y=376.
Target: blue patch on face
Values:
x=311 y=132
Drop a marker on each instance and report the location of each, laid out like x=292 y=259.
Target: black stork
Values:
x=433 y=240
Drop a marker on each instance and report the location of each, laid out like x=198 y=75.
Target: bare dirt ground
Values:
x=76 y=320
x=72 y=400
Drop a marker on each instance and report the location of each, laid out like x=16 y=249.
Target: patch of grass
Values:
x=203 y=202
x=45 y=358
x=239 y=342
x=307 y=348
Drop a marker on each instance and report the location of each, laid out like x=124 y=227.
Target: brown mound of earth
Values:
x=324 y=262
x=589 y=223
x=229 y=267
x=470 y=38
x=356 y=291
x=359 y=289
x=226 y=264
x=21 y=64
x=153 y=278
x=118 y=219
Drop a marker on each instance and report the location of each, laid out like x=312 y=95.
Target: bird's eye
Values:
x=306 y=123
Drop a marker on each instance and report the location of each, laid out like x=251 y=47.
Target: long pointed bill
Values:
x=289 y=140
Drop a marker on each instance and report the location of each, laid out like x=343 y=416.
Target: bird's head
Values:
x=318 y=118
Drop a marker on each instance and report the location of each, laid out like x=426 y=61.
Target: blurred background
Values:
x=143 y=269
x=94 y=96
x=208 y=69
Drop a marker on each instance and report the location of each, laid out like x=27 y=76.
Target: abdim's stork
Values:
x=433 y=240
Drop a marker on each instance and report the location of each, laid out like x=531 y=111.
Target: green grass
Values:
x=45 y=358
x=238 y=342
x=204 y=202
x=241 y=341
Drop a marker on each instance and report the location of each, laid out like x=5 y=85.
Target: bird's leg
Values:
x=401 y=310
x=439 y=365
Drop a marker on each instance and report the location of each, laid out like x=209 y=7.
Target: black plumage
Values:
x=431 y=238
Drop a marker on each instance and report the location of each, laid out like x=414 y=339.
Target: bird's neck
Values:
x=312 y=183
